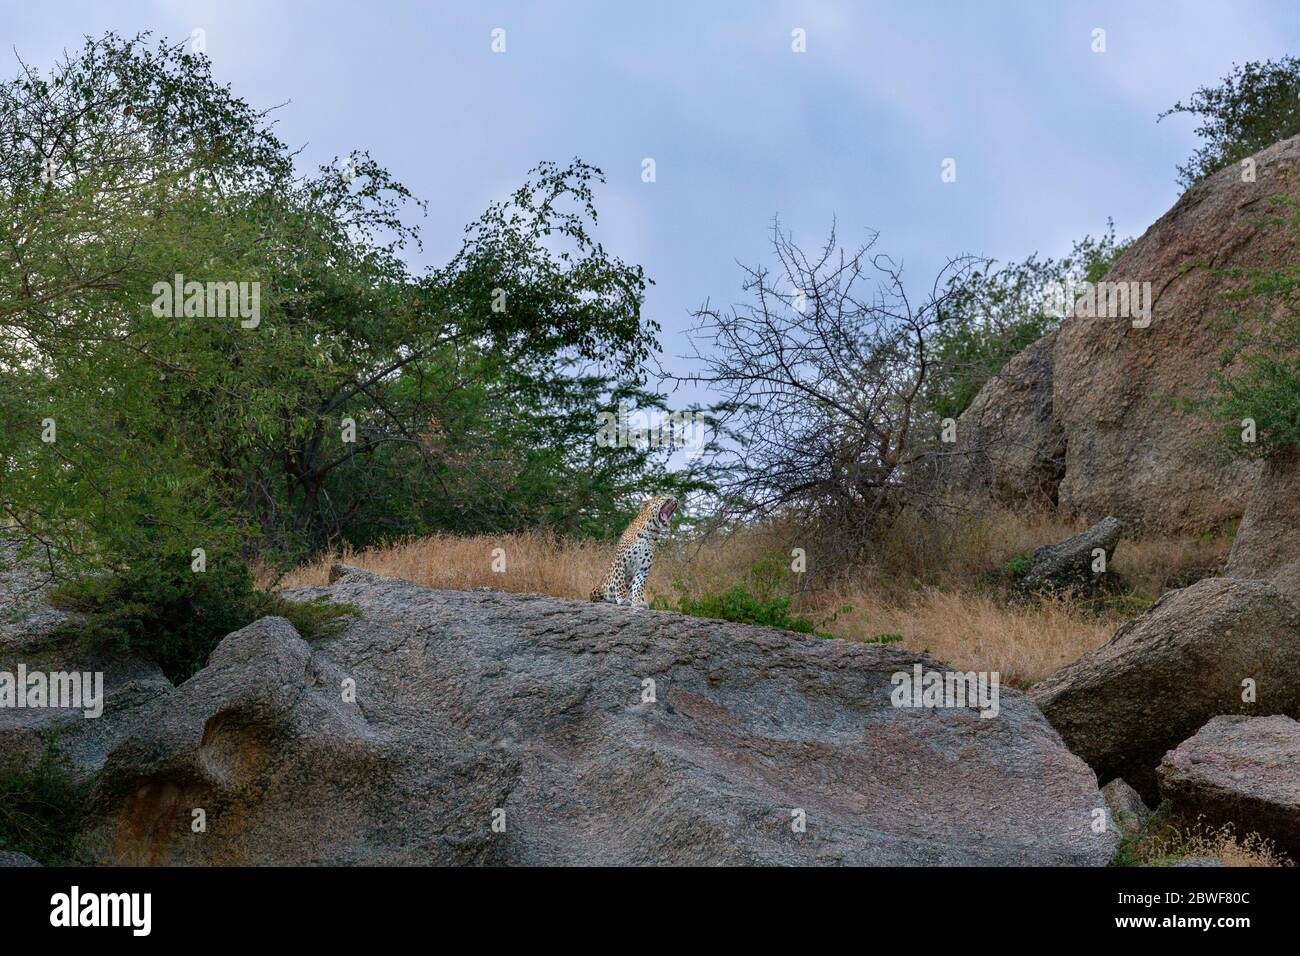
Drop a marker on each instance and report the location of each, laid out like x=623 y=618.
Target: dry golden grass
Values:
x=1163 y=843
x=932 y=588
x=534 y=563
x=975 y=631
x=1154 y=565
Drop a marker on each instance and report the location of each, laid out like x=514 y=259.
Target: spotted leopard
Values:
x=624 y=582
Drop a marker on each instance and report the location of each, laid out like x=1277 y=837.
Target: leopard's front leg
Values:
x=636 y=590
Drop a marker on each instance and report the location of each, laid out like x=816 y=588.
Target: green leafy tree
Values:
x=1254 y=106
x=168 y=443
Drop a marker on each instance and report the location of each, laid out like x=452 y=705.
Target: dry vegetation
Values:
x=939 y=590
x=1164 y=843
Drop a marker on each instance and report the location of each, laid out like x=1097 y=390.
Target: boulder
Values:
x=1009 y=442
x=1127 y=810
x=32 y=637
x=1268 y=540
x=1287 y=580
x=1069 y=563
x=1164 y=674
x=10 y=858
x=1239 y=770
x=1126 y=447
x=479 y=727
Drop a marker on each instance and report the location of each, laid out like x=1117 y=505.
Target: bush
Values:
x=994 y=314
x=1256 y=105
x=1020 y=566
x=176 y=617
x=1259 y=377
x=742 y=606
x=40 y=808
x=764 y=601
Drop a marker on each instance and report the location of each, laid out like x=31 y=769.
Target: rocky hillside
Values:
x=1085 y=415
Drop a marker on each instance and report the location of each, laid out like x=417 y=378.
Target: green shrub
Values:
x=764 y=601
x=41 y=808
x=1254 y=106
x=170 y=615
x=992 y=315
x=1019 y=567
x=313 y=619
x=744 y=607
x=175 y=618
x=1259 y=375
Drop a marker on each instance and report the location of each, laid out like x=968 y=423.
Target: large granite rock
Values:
x=1239 y=770
x=31 y=637
x=1105 y=395
x=1268 y=540
x=1164 y=674
x=1010 y=445
x=536 y=714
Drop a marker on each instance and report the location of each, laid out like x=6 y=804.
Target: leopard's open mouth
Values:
x=666 y=512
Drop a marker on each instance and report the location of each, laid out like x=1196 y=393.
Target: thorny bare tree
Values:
x=822 y=376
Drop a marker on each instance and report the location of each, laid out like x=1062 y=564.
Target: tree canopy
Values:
x=208 y=359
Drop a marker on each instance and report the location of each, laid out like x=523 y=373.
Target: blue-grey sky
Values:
x=1049 y=137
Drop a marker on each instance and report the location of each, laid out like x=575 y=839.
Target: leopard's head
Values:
x=659 y=511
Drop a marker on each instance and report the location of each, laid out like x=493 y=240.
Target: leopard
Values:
x=624 y=582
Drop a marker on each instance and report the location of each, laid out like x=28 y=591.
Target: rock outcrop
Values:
x=1164 y=674
x=1243 y=771
x=1073 y=563
x=1268 y=541
x=1009 y=442
x=471 y=727
x=1106 y=394
x=31 y=639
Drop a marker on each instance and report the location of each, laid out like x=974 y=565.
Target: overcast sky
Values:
x=1049 y=137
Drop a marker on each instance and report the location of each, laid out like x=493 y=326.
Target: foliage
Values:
x=1254 y=106
x=41 y=808
x=1019 y=566
x=313 y=620
x=359 y=401
x=1259 y=375
x=994 y=314
x=763 y=601
x=176 y=618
